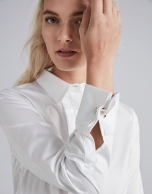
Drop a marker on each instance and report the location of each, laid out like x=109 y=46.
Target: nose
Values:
x=65 y=34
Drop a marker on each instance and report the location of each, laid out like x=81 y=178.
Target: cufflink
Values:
x=101 y=113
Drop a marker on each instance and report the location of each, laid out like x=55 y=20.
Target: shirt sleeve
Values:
x=99 y=105
x=135 y=185
x=37 y=146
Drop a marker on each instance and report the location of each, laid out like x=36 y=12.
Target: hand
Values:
x=100 y=31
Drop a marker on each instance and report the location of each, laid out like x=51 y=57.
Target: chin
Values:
x=68 y=67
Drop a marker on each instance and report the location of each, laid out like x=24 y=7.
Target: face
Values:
x=62 y=30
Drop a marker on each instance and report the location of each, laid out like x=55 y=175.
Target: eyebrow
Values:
x=53 y=13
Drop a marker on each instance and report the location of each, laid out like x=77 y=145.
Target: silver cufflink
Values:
x=101 y=112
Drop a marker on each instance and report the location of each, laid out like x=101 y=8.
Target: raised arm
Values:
x=100 y=36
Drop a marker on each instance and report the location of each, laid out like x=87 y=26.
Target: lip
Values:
x=66 y=54
x=65 y=49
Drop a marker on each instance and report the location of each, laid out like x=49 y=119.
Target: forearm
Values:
x=102 y=77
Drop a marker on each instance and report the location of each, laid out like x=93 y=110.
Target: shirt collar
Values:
x=54 y=86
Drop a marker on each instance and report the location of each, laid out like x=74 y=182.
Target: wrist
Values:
x=101 y=76
x=103 y=62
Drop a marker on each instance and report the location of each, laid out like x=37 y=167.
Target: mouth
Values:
x=66 y=53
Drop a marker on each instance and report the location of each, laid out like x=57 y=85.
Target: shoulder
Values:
x=25 y=93
x=22 y=91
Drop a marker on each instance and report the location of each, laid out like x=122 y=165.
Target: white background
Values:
x=133 y=69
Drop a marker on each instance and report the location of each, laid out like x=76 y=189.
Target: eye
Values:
x=79 y=20
x=54 y=19
x=49 y=20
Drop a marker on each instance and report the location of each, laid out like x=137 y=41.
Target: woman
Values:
x=67 y=129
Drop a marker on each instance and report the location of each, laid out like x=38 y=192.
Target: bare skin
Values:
x=96 y=39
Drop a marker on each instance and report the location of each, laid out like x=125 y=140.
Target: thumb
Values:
x=85 y=19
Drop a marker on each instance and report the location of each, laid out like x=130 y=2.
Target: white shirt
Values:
x=48 y=123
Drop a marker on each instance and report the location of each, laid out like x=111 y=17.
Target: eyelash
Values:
x=54 y=18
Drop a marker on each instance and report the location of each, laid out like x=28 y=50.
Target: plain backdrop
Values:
x=133 y=71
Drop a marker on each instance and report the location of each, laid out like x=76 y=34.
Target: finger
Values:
x=107 y=7
x=96 y=10
x=85 y=19
x=114 y=8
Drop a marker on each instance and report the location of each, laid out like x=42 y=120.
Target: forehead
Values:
x=68 y=6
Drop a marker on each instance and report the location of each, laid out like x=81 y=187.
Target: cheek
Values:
x=44 y=35
x=48 y=40
x=47 y=35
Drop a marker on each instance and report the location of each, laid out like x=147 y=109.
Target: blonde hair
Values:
x=39 y=58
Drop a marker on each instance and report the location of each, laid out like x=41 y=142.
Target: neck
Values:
x=71 y=77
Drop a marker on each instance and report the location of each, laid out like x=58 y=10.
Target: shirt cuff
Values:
x=94 y=105
x=95 y=102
